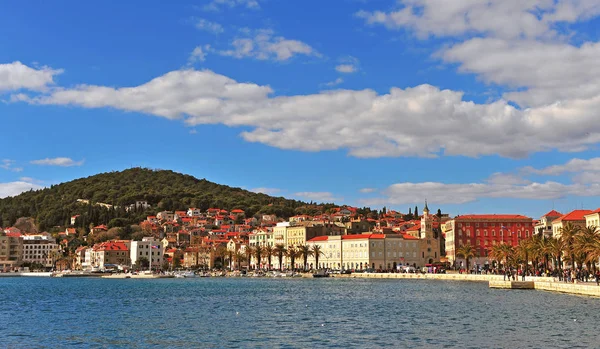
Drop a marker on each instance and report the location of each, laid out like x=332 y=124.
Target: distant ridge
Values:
x=162 y=189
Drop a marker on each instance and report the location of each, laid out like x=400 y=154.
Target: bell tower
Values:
x=426 y=224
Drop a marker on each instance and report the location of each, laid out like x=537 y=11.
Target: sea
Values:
x=288 y=313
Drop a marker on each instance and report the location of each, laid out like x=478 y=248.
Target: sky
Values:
x=477 y=106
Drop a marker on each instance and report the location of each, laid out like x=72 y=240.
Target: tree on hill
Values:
x=163 y=190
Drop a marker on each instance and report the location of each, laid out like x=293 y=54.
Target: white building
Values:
x=40 y=248
x=194 y=212
x=149 y=248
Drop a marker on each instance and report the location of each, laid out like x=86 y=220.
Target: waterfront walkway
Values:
x=539 y=283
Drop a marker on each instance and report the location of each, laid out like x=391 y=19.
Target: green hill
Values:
x=164 y=190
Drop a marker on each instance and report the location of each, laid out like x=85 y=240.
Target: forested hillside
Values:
x=163 y=189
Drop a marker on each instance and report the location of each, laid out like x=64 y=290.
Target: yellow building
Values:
x=362 y=251
x=576 y=218
x=11 y=252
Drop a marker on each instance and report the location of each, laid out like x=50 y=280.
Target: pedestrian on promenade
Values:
x=523 y=273
x=597 y=277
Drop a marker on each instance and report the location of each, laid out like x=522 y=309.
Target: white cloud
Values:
x=193 y=131
x=16 y=188
x=30 y=180
x=216 y=5
x=573 y=165
x=268 y=191
x=263 y=45
x=208 y=26
x=8 y=164
x=506 y=178
x=198 y=54
x=362 y=121
x=583 y=171
x=64 y=162
x=15 y=76
x=368 y=190
x=443 y=193
x=345 y=68
x=334 y=82
x=321 y=196
x=549 y=72
x=507 y=19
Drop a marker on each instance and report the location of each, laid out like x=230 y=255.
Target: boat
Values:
x=189 y=275
x=321 y=273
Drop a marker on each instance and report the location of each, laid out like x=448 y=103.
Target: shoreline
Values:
x=540 y=283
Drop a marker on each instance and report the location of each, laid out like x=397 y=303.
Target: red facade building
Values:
x=484 y=231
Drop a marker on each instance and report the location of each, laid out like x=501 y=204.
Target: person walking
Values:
x=597 y=277
x=523 y=273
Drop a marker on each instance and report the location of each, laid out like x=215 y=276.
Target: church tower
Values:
x=430 y=247
x=426 y=224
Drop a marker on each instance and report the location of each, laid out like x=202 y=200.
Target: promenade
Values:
x=539 y=283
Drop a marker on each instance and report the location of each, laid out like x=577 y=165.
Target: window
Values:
x=518 y=233
x=485 y=233
x=476 y=225
x=468 y=224
x=477 y=232
x=493 y=233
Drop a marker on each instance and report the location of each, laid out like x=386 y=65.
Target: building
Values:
x=74 y=219
x=165 y=216
x=483 y=231
x=11 y=251
x=576 y=218
x=362 y=251
x=110 y=254
x=149 y=248
x=194 y=212
x=544 y=225
x=40 y=249
x=299 y=233
x=430 y=244
x=592 y=219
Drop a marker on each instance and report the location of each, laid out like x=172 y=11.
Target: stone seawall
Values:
x=447 y=277
x=578 y=289
x=539 y=283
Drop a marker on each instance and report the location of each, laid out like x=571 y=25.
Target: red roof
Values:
x=492 y=216
x=320 y=238
x=595 y=211
x=112 y=246
x=409 y=237
x=237 y=211
x=577 y=215
x=553 y=213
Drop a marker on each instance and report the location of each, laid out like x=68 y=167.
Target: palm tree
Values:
x=249 y=253
x=268 y=250
x=554 y=247
x=258 y=253
x=522 y=252
x=585 y=245
x=221 y=253
x=280 y=251
x=305 y=251
x=292 y=253
x=467 y=252
x=568 y=234
x=317 y=252
x=239 y=258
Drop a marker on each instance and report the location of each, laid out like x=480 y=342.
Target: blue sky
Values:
x=476 y=106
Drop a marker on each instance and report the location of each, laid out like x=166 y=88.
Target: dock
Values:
x=513 y=285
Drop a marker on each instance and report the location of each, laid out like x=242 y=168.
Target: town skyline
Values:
x=365 y=104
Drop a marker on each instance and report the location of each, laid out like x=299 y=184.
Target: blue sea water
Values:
x=288 y=313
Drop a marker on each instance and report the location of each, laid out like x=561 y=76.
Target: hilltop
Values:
x=162 y=189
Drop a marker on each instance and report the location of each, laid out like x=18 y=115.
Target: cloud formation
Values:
x=208 y=26
x=63 y=162
x=263 y=44
x=16 y=188
x=217 y=5
x=365 y=123
x=16 y=76
x=8 y=164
